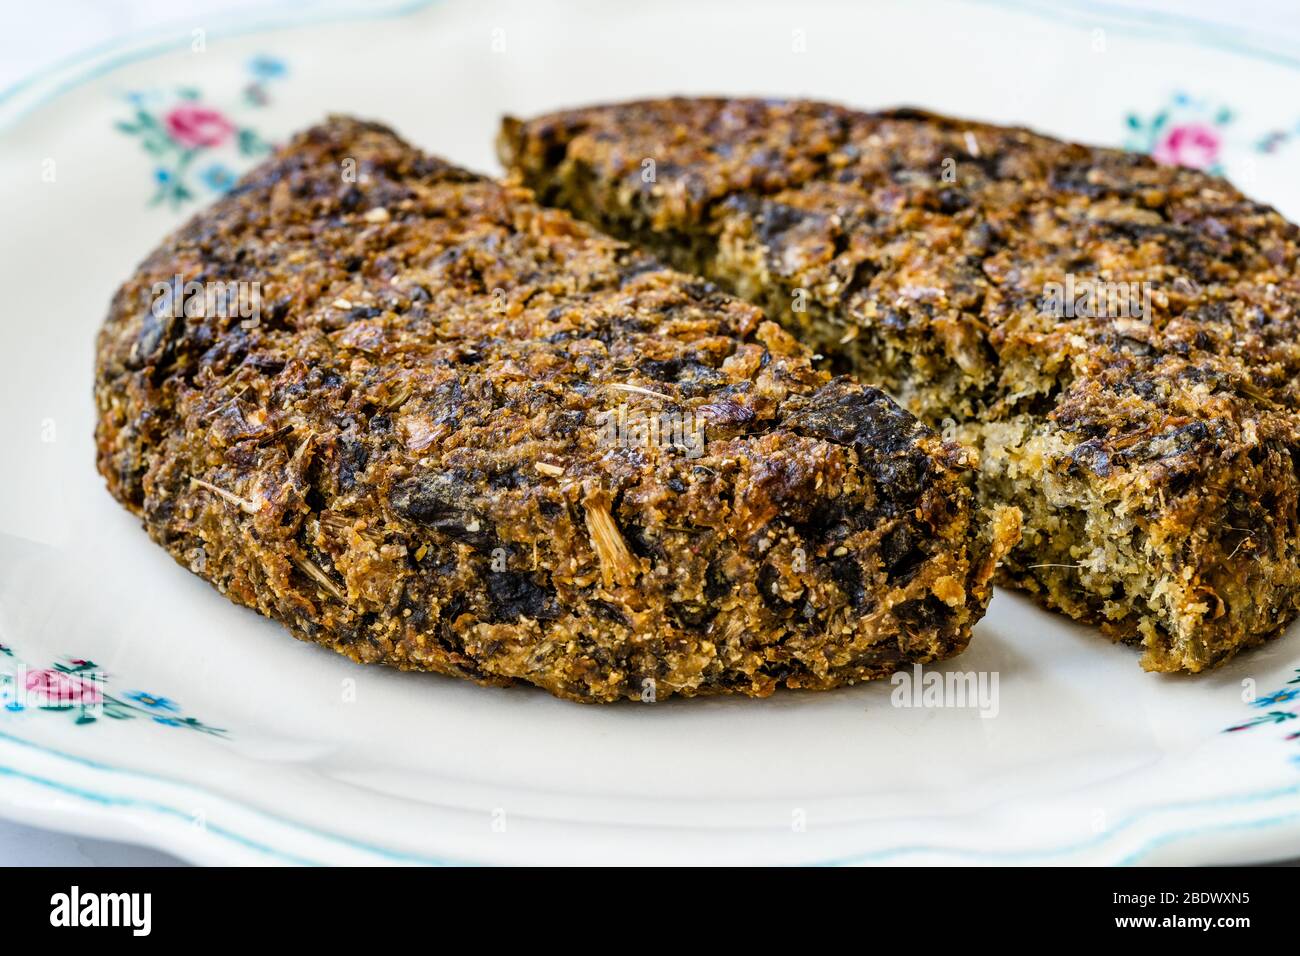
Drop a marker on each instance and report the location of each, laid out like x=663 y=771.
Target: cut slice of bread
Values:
x=1119 y=340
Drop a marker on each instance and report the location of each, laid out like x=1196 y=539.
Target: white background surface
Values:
x=39 y=35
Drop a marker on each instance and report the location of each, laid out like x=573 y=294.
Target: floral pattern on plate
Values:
x=196 y=147
x=1276 y=708
x=1201 y=133
x=1184 y=132
x=78 y=687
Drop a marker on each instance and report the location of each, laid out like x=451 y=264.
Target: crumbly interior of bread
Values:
x=1085 y=550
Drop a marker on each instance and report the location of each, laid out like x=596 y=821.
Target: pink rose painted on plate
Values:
x=58 y=688
x=194 y=146
x=195 y=127
x=1190 y=131
x=77 y=686
x=1189 y=144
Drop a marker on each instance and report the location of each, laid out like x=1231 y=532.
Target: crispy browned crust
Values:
x=1155 y=461
x=402 y=460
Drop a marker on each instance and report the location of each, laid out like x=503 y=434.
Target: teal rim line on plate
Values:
x=97 y=62
x=873 y=856
x=1146 y=23
x=101 y=60
x=168 y=810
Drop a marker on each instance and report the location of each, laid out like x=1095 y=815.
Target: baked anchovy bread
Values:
x=470 y=435
x=1119 y=340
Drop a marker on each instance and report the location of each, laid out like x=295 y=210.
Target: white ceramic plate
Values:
x=1080 y=757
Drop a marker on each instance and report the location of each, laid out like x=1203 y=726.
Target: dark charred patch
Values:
x=352 y=460
x=923 y=615
x=515 y=594
x=727 y=413
x=608 y=612
x=768 y=584
x=1092 y=456
x=847 y=574
x=901 y=554
x=693 y=616
x=716 y=585
x=439 y=502
x=860 y=416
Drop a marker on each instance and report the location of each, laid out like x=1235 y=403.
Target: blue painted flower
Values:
x=1277 y=697
x=267 y=67
x=162 y=175
x=152 y=702
x=218 y=178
